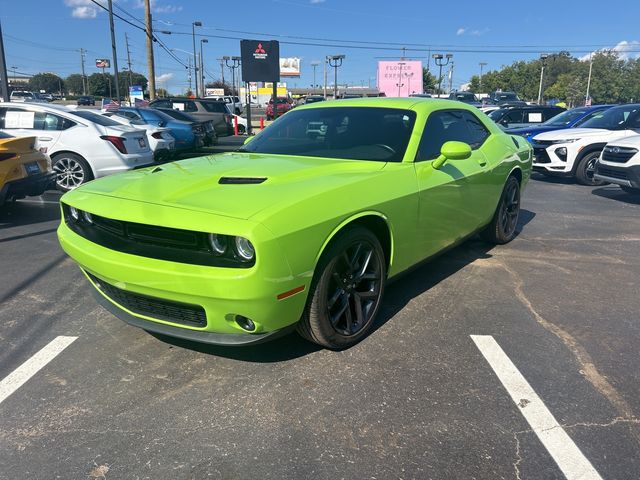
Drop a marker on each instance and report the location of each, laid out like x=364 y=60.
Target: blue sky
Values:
x=45 y=35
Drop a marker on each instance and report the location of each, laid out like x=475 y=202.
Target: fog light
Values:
x=75 y=213
x=87 y=217
x=245 y=323
x=562 y=153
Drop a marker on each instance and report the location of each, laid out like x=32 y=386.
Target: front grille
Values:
x=540 y=155
x=182 y=313
x=152 y=241
x=543 y=143
x=618 y=154
x=613 y=173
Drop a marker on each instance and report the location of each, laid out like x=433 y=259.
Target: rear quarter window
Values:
x=215 y=107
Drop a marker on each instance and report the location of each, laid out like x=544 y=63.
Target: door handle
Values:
x=45 y=139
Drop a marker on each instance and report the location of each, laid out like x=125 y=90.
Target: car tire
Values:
x=630 y=190
x=241 y=129
x=346 y=290
x=503 y=226
x=71 y=171
x=586 y=169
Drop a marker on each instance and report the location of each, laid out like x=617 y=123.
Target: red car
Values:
x=283 y=105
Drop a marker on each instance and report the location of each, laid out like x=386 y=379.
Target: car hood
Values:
x=232 y=184
x=532 y=131
x=633 y=141
x=571 y=133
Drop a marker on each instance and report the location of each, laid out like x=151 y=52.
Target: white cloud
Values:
x=165 y=77
x=84 y=12
x=624 y=49
x=473 y=33
x=156 y=7
x=84 y=8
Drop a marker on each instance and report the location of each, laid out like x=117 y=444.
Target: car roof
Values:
x=408 y=103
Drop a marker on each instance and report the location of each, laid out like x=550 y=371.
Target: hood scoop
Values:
x=241 y=180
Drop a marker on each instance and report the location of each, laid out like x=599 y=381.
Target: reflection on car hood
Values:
x=194 y=184
x=570 y=133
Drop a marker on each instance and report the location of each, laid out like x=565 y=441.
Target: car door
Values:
x=23 y=122
x=450 y=198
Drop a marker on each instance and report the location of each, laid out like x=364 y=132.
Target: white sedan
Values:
x=161 y=142
x=82 y=144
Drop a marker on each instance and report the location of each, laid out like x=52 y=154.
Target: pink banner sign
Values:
x=400 y=78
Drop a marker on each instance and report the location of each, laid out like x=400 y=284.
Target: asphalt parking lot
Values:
x=422 y=397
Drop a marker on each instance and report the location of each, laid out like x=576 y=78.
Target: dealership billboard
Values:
x=290 y=67
x=260 y=60
x=400 y=78
x=103 y=63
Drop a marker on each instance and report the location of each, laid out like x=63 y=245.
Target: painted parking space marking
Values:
x=28 y=369
x=566 y=454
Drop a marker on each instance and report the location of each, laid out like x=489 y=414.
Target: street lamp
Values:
x=335 y=61
x=408 y=76
x=400 y=84
x=195 y=58
x=202 y=40
x=235 y=63
x=543 y=60
x=482 y=64
x=439 y=59
x=314 y=64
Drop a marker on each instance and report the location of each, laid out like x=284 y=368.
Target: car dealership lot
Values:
x=415 y=399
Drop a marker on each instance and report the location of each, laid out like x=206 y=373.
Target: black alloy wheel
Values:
x=586 y=170
x=346 y=292
x=502 y=228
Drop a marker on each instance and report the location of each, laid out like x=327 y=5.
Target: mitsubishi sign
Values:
x=260 y=60
x=400 y=78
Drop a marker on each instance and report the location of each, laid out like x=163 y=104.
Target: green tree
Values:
x=48 y=82
x=99 y=84
x=429 y=81
x=136 y=79
x=73 y=84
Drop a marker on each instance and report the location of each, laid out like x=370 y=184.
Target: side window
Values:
x=441 y=127
x=478 y=133
x=54 y=122
x=162 y=104
x=634 y=121
x=22 y=119
x=514 y=116
x=190 y=106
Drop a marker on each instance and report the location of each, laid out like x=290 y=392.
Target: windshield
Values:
x=566 y=118
x=469 y=97
x=354 y=133
x=96 y=118
x=505 y=96
x=611 y=119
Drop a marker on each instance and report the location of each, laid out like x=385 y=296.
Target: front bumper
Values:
x=223 y=294
x=546 y=158
x=625 y=176
x=30 y=186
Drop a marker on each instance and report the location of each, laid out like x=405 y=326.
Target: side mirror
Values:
x=162 y=123
x=452 y=151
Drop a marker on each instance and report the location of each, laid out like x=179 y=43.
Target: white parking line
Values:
x=569 y=458
x=28 y=369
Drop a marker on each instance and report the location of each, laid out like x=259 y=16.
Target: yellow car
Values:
x=24 y=171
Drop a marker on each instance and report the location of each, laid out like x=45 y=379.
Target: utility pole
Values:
x=126 y=38
x=189 y=75
x=195 y=54
x=4 y=83
x=222 y=69
x=113 y=49
x=587 y=99
x=150 y=60
x=84 y=80
x=325 y=77
x=451 y=77
x=543 y=60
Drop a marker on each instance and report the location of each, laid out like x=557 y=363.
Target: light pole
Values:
x=400 y=84
x=188 y=62
x=408 y=77
x=202 y=40
x=587 y=100
x=451 y=77
x=314 y=64
x=335 y=61
x=195 y=62
x=235 y=63
x=439 y=60
x=482 y=64
x=543 y=60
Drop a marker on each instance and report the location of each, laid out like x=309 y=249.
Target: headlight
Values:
x=75 y=213
x=570 y=140
x=245 y=249
x=87 y=217
x=218 y=243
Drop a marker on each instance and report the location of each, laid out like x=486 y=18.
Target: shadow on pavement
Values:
x=551 y=178
x=397 y=295
x=27 y=213
x=614 y=193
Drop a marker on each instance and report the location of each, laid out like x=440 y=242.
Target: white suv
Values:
x=82 y=144
x=575 y=151
x=233 y=102
x=620 y=164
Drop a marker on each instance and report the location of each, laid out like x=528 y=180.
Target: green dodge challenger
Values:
x=302 y=226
